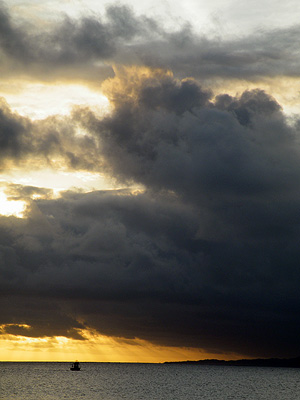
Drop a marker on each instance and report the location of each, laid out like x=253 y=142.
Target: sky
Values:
x=149 y=180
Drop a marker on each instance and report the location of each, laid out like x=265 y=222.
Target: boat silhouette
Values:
x=75 y=366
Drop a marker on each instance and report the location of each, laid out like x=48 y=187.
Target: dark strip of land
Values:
x=259 y=362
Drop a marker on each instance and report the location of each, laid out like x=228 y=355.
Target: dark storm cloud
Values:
x=36 y=143
x=13 y=133
x=166 y=133
x=71 y=47
x=206 y=256
x=100 y=247
x=261 y=54
x=135 y=266
x=235 y=164
x=87 y=47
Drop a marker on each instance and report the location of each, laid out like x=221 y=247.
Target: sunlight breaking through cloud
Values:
x=11 y=207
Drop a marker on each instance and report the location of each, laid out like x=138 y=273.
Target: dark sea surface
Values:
x=110 y=381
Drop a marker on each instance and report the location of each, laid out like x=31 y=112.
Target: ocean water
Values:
x=113 y=381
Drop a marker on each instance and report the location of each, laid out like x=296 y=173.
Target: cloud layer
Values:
x=206 y=255
x=86 y=48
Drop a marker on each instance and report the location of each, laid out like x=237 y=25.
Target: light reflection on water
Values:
x=110 y=381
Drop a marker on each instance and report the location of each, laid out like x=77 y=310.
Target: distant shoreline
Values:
x=258 y=362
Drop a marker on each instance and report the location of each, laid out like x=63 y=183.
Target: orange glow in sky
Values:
x=95 y=348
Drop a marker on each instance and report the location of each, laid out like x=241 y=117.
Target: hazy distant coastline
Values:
x=259 y=362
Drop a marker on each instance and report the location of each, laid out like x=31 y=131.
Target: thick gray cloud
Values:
x=14 y=133
x=34 y=144
x=135 y=266
x=210 y=246
x=82 y=48
x=87 y=47
x=235 y=163
x=169 y=134
x=262 y=54
x=207 y=255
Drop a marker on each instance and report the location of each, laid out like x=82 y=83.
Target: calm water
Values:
x=45 y=381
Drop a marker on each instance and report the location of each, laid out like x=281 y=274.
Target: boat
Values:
x=75 y=366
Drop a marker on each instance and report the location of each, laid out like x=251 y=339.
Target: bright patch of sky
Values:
x=57 y=180
x=39 y=100
x=8 y=207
